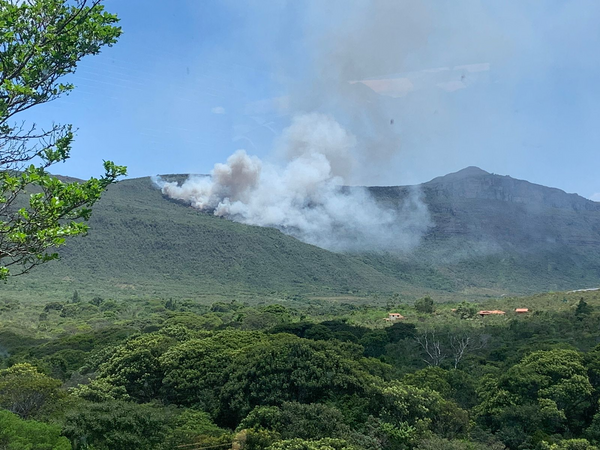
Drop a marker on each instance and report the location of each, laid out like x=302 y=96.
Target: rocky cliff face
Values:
x=473 y=209
x=497 y=231
x=475 y=183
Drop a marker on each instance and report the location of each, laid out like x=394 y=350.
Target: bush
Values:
x=16 y=433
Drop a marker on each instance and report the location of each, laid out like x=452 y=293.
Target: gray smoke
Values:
x=341 y=130
x=305 y=196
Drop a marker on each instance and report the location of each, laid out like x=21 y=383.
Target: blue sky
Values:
x=511 y=87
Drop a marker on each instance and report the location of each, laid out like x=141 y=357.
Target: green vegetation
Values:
x=41 y=42
x=170 y=328
x=16 y=433
x=157 y=374
x=142 y=245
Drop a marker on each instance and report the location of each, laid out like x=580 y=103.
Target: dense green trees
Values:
x=194 y=371
x=135 y=366
x=19 y=434
x=318 y=444
x=27 y=392
x=425 y=305
x=409 y=414
x=547 y=392
x=290 y=369
x=298 y=420
x=183 y=375
x=170 y=378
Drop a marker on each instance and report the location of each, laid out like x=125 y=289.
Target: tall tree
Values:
x=41 y=41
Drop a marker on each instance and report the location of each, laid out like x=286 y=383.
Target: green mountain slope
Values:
x=490 y=235
x=144 y=245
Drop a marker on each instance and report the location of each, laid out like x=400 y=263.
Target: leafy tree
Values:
x=75 y=298
x=171 y=304
x=290 y=369
x=222 y=307
x=436 y=443
x=434 y=378
x=406 y=407
x=592 y=363
x=40 y=42
x=64 y=362
x=547 y=391
x=96 y=301
x=320 y=444
x=342 y=327
x=558 y=375
x=324 y=331
x=194 y=428
x=25 y=391
x=374 y=343
x=425 y=305
x=78 y=310
x=194 y=370
x=16 y=433
x=570 y=444
x=117 y=425
x=255 y=439
x=318 y=332
x=53 y=306
x=583 y=308
x=466 y=310
x=593 y=431
x=209 y=321
x=296 y=328
x=135 y=366
x=297 y=420
x=266 y=317
x=400 y=331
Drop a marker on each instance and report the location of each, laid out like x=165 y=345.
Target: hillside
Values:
x=507 y=235
x=490 y=235
x=141 y=244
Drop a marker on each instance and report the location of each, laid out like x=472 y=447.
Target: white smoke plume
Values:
x=305 y=196
x=341 y=131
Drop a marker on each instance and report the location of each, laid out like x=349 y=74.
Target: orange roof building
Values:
x=494 y=312
x=522 y=310
x=394 y=316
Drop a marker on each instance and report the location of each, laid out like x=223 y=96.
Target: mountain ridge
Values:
x=473 y=182
x=490 y=235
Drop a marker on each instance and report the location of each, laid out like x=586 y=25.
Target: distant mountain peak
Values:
x=475 y=183
x=470 y=171
x=467 y=172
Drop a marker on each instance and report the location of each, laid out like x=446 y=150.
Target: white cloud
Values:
x=595 y=197
x=218 y=110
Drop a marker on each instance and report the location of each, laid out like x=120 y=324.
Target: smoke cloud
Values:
x=416 y=82
x=342 y=105
x=305 y=196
